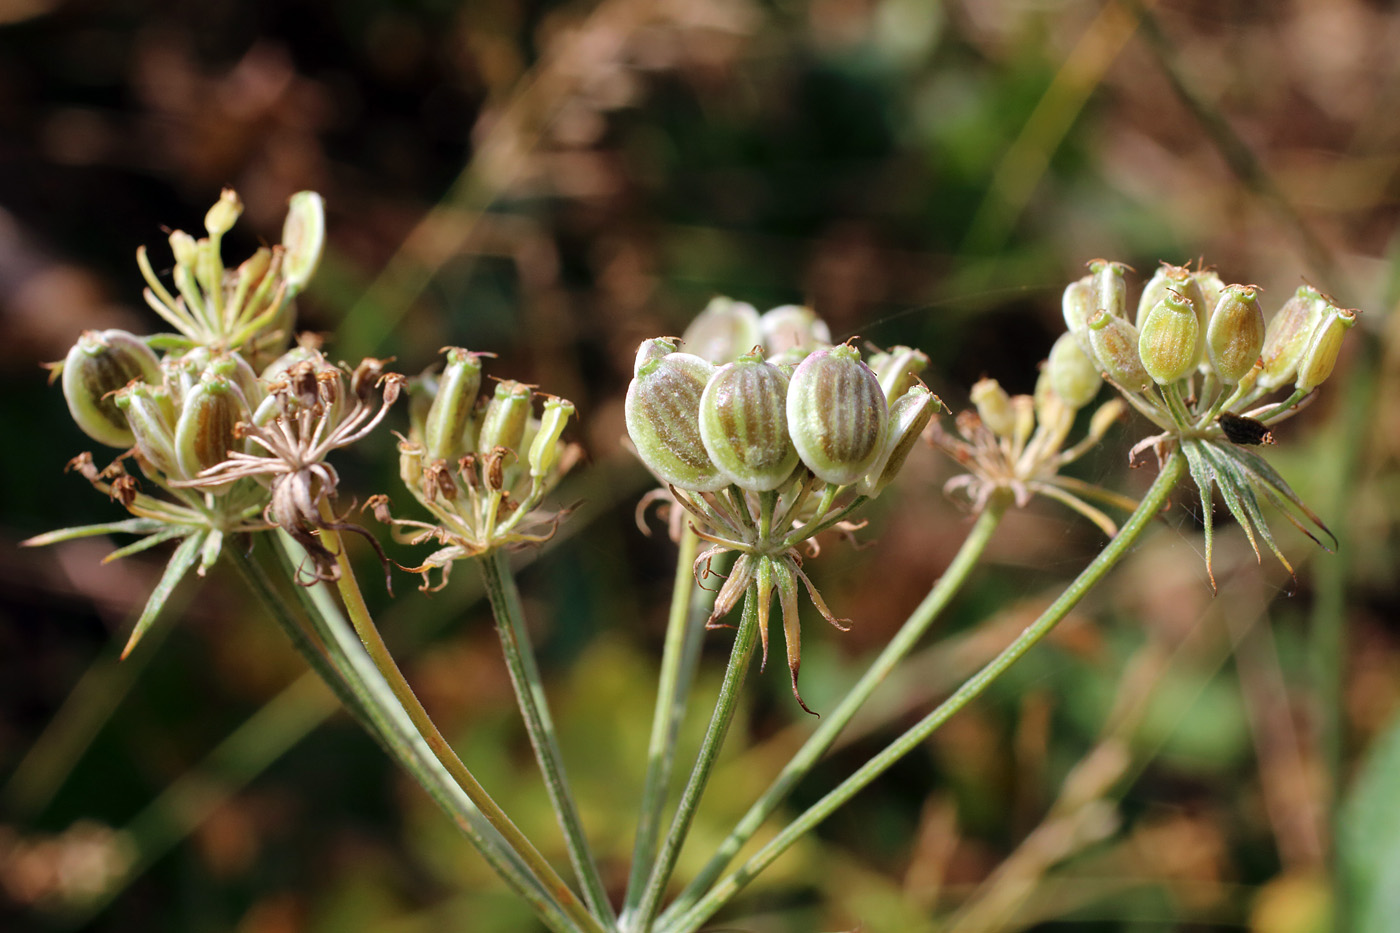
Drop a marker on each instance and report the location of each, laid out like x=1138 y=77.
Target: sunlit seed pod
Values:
x=744 y=426
x=445 y=427
x=898 y=370
x=1110 y=287
x=1115 y=348
x=204 y=433
x=652 y=350
x=1212 y=287
x=1324 y=347
x=836 y=414
x=1287 y=337
x=724 y=331
x=909 y=415
x=100 y=363
x=503 y=423
x=1236 y=333
x=1077 y=305
x=304 y=237
x=151 y=415
x=224 y=214
x=1073 y=375
x=663 y=419
x=994 y=405
x=1169 y=341
x=789 y=327
x=544 y=449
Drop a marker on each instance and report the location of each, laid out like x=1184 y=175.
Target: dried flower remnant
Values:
x=763 y=454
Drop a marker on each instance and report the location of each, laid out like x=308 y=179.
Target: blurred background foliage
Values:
x=553 y=182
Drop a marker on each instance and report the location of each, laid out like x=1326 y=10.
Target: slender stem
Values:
x=682 y=650
x=534 y=709
x=725 y=706
x=404 y=699
x=909 y=634
x=1132 y=529
x=335 y=656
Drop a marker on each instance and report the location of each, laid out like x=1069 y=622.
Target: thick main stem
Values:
x=834 y=722
x=534 y=709
x=408 y=703
x=725 y=706
x=1132 y=529
x=682 y=649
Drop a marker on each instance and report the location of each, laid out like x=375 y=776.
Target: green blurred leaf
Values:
x=1369 y=838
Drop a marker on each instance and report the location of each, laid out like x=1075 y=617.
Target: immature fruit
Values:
x=544 y=449
x=1324 y=347
x=994 y=405
x=909 y=415
x=663 y=417
x=204 y=434
x=1287 y=337
x=1170 y=339
x=1073 y=376
x=304 y=238
x=445 y=428
x=99 y=364
x=151 y=415
x=743 y=424
x=724 y=331
x=507 y=415
x=793 y=327
x=836 y=414
x=1077 y=306
x=1236 y=333
x=1115 y=345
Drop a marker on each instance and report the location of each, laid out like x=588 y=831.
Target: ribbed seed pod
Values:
x=1324 y=347
x=1236 y=333
x=743 y=424
x=663 y=418
x=151 y=414
x=507 y=414
x=445 y=434
x=1169 y=341
x=100 y=363
x=1212 y=287
x=836 y=414
x=1073 y=376
x=898 y=369
x=304 y=238
x=1287 y=337
x=1110 y=287
x=909 y=415
x=724 y=331
x=1077 y=306
x=1115 y=345
x=544 y=449
x=793 y=327
x=204 y=434
x=994 y=405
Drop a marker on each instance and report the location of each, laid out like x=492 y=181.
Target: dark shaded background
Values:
x=555 y=182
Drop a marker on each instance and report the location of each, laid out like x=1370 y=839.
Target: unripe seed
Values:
x=1110 y=287
x=994 y=405
x=1288 y=335
x=836 y=414
x=151 y=415
x=1077 y=305
x=909 y=415
x=1115 y=345
x=789 y=327
x=445 y=429
x=1236 y=333
x=651 y=350
x=1324 y=347
x=663 y=418
x=185 y=248
x=1073 y=375
x=204 y=435
x=304 y=237
x=507 y=414
x=100 y=363
x=724 y=331
x=1212 y=287
x=743 y=424
x=898 y=370
x=1170 y=339
x=544 y=449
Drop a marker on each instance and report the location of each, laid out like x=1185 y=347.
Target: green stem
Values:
x=383 y=672
x=914 y=628
x=1146 y=511
x=725 y=706
x=534 y=709
x=683 y=637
